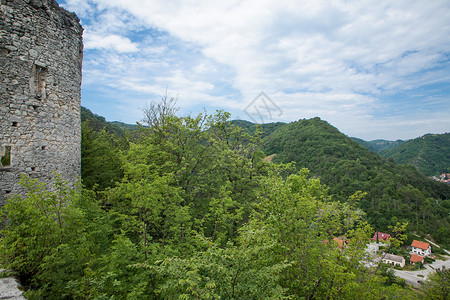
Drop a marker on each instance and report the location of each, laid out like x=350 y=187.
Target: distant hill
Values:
x=378 y=145
x=250 y=127
x=429 y=153
x=364 y=143
x=394 y=192
x=124 y=125
x=98 y=123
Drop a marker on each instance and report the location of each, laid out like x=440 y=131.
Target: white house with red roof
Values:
x=420 y=248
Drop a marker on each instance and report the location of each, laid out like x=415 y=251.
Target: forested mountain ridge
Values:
x=394 y=192
x=378 y=145
x=98 y=123
x=251 y=128
x=429 y=153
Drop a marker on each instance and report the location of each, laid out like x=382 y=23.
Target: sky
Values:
x=373 y=69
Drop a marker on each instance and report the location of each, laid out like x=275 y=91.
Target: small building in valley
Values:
x=338 y=242
x=372 y=248
x=415 y=259
x=341 y=243
x=420 y=248
x=381 y=237
x=394 y=260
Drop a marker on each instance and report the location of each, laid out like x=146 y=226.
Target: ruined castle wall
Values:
x=40 y=82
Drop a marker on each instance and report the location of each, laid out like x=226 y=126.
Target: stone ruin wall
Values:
x=41 y=53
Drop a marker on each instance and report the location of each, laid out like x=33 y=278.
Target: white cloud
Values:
x=82 y=7
x=110 y=42
x=335 y=58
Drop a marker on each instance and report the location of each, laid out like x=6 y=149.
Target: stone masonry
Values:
x=41 y=52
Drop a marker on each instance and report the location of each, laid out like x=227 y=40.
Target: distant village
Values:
x=445 y=178
x=419 y=250
x=412 y=262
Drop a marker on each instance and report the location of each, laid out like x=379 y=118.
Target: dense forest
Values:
x=187 y=208
x=429 y=153
x=262 y=130
x=394 y=192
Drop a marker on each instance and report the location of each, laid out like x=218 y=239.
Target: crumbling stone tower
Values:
x=41 y=52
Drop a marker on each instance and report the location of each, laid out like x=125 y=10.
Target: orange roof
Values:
x=420 y=245
x=415 y=258
x=339 y=242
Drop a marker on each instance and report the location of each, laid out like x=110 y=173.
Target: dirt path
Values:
x=448 y=252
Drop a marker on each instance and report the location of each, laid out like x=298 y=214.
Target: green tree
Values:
x=346 y=167
x=437 y=285
x=44 y=240
x=100 y=158
x=298 y=216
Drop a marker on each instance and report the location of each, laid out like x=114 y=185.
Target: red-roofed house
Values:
x=340 y=242
x=420 y=248
x=415 y=259
x=382 y=237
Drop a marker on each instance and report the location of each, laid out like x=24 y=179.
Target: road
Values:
x=446 y=251
x=412 y=276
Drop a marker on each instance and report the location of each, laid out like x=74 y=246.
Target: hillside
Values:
x=429 y=153
x=98 y=123
x=378 y=145
x=394 y=192
x=250 y=128
x=125 y=125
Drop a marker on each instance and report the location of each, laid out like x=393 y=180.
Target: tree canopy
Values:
x=186 y=208
x=394 y=192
